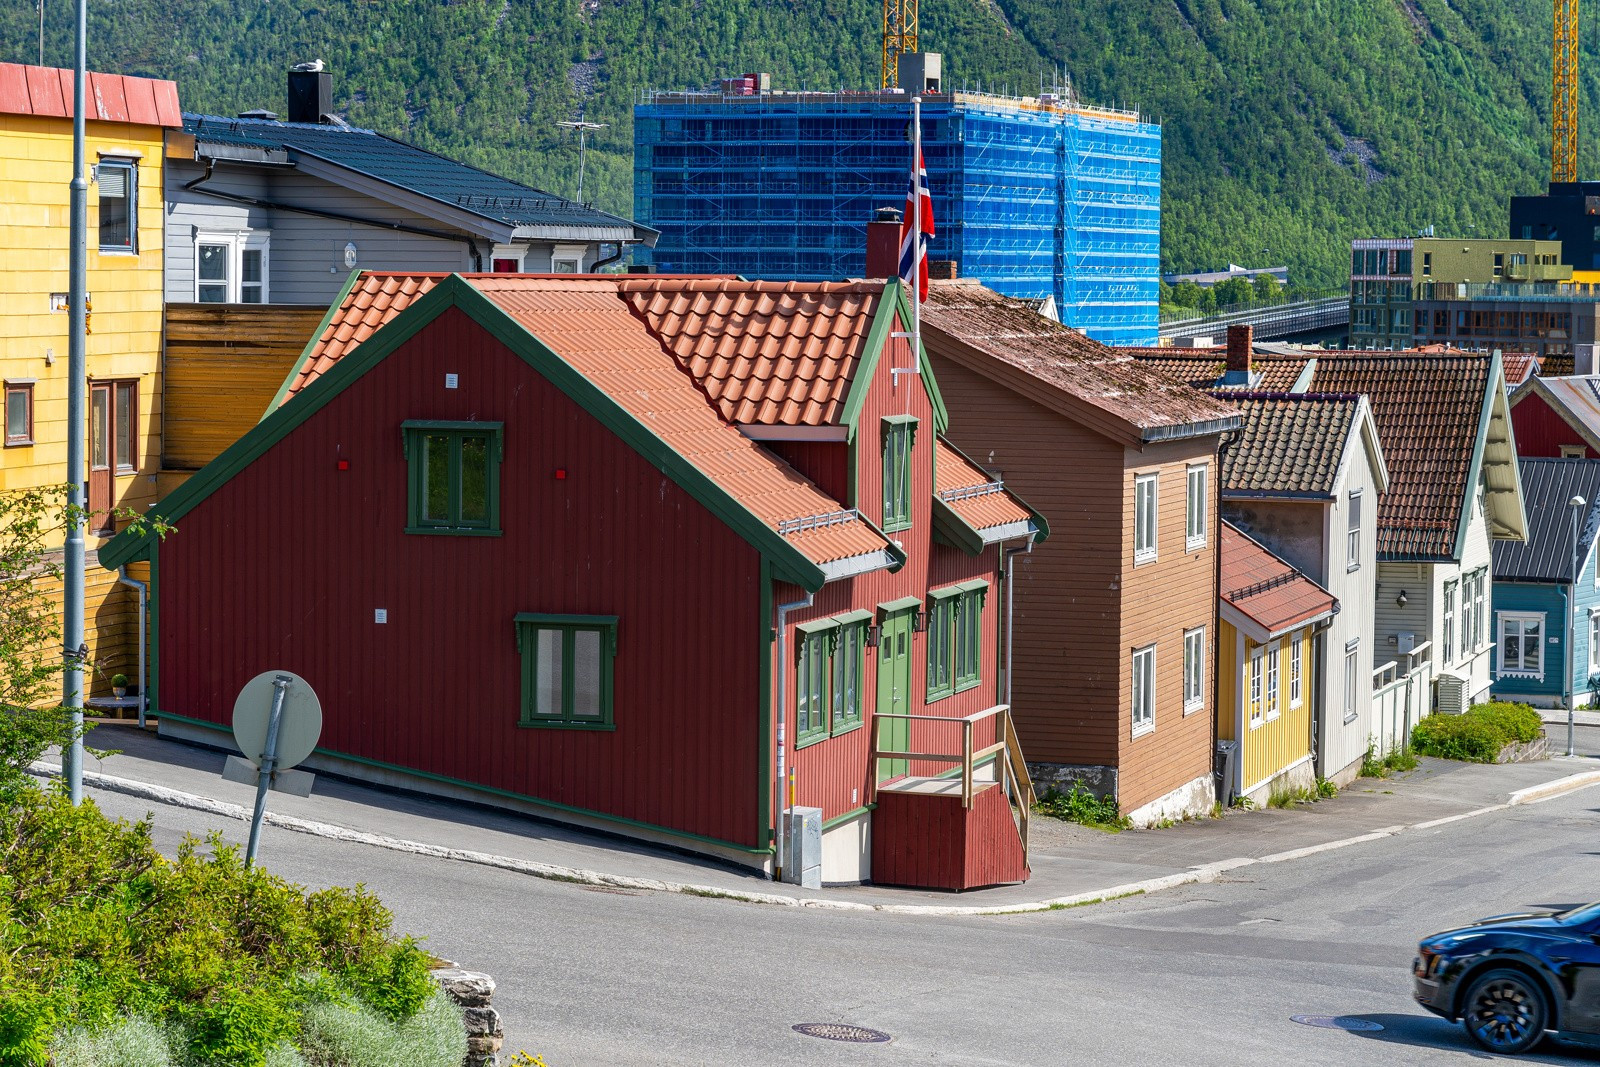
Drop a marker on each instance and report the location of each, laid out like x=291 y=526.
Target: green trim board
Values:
x=788 y=562
x=900 y=604
x=305 y=353
x=490 y=790
x=844 y=817
x=894 y=300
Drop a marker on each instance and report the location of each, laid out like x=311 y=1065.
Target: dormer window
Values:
x=899 y=432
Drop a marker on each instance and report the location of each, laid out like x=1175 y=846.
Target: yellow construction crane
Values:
x=900 y=36
x=1564 y=92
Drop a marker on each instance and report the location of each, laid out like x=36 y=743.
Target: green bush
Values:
x=343 y=1033
x=1517 y=722
x=1081 y=806
x=135 y=1042
x=97 y=928
x=1458 y=737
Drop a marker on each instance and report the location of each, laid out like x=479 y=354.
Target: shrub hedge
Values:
x=1477 y=735
x=101 y=937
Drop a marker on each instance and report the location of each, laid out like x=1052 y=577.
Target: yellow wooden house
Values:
x=125 y=128
x=1272 y=625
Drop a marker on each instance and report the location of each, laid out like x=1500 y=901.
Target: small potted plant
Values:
x=119 y=685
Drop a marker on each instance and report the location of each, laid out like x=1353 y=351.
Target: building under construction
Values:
x=1038 y=197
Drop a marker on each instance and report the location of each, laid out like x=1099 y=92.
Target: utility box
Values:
x=1405 y=643
x=803 y=843
x=922 y=72
x=1224 y=767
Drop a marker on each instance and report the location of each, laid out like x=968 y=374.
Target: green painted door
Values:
x=894 y=690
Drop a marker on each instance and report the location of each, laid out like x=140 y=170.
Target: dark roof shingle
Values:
x=1290 y=443
x=1547 y=487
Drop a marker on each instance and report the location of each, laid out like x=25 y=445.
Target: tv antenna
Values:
x=584 y=130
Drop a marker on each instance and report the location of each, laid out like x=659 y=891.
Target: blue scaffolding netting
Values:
x=1035 y=197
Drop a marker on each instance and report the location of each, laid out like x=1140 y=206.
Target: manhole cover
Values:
x=842 y=1032
x=1338 y=1022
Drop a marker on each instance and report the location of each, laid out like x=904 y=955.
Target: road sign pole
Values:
x=269 y=756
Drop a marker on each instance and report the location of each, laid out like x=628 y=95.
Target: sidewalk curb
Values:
x=1203 y=873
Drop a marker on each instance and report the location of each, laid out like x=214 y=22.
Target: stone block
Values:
x=482 y=1022
x=468 y=988
x=479 y=1046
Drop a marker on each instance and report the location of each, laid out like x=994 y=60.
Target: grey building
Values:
x=267 y=211
x=1543 y=320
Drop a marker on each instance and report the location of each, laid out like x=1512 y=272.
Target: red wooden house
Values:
x=1557 y=418
x=664 y=556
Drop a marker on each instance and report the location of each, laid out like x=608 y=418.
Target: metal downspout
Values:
x=252 y=201
x=1006 y=555
x=781 y=675
x=122 y=576
x=1216 y=599
x=622 y=247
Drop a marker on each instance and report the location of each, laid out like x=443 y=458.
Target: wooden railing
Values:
x=1011 y=771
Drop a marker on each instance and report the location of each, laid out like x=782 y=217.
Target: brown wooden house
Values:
x=1112 y=673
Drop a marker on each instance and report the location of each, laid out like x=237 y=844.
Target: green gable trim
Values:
x=1475 y=469
x=789 y=563
x=305 y=353
x=490 y=790
x=894 y=300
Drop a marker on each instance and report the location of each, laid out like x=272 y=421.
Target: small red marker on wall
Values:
x=344 y=464
x=561 y=474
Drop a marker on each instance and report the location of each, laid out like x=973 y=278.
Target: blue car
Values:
x=1512 y=979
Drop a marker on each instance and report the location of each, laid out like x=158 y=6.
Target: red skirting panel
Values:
x=932 y=842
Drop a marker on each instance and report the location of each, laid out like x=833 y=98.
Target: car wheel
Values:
x=1505 y=1012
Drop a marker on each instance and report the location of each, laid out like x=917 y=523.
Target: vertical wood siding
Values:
x=825 y=462
x=284 y=565
x=935 y=842
x=1272 y=746
x=835 y=774
x=1541 y=432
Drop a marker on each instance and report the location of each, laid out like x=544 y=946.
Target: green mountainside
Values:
x=1290 y=126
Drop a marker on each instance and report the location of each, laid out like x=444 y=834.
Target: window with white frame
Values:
x=1522 y=644
x=1144 y=690
x=1194 y=529
x=1256 y=658
x=1449 y=642
x=1480 y=609
x=1271 y=696
x=231 y=268
x=1573 y=451
x=1296 y=690
x=1353 y=537
x=1194 y=669
x=1594 y=641
x=1144 y=518
x=1352 y=678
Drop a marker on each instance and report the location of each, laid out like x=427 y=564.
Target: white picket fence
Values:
x=1398 y=704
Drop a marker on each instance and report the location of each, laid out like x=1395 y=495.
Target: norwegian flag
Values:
x=912 y=250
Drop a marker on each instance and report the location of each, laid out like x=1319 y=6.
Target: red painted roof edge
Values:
x=26 y=89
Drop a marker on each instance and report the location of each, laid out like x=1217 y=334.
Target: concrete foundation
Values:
x=847 y=851
x=1302 y=775
x=1345 y=775
x=1101 y=781
x=1190 y=799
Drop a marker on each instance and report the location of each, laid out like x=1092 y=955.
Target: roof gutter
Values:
x=211 y=163
x=1179 y=431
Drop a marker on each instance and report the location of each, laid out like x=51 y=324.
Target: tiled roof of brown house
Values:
x=1290 y=443
x=1049 y=361
x=1265 y=589
x=1203 y=367
x=971 y=493
x=371 y=301
x=767 y=353
x=47 y=92
x=1427 y=409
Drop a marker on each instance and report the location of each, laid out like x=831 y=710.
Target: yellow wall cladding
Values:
x=1277 y=734
x=125 y=293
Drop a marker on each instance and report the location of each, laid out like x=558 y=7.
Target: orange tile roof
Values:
x=588 y=323
x=47 y=92
x=967 y=489
x=766 y=353
x=1265 y=589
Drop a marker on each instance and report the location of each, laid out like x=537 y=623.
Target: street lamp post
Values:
x=77 y=390
x=1576 y=504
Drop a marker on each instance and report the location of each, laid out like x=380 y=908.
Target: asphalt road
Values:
x=1200 y=975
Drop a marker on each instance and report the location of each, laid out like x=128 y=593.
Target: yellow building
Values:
x=1272 y=622
x=125 y=129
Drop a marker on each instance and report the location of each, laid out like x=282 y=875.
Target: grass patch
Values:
x=1478 y=734
x=1084 y=808
x=1061 y=906
x=1400 y=758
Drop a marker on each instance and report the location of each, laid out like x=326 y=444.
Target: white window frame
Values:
x=237 y=242
x=1194 y=670
x=1449 y=628
x=1255 y=696
x=1146 y=543
x=1521 y=620
x=1142 y=689
x=1352 y=677
x=1296 y=688
x=570 y=254
x=1480 y=609
x=1272 y=690
x=1573 y=451
x=1353 y=537
x=1194 y=531
x=1594 y=640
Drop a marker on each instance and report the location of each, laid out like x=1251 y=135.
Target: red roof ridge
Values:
x=46 y=92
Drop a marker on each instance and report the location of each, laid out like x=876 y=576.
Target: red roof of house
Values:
x=767 y=353
x=1265 y=589
x=967 y=489
x=47 y=92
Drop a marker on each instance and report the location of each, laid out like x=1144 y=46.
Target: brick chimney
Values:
x=1237 y=369
x=883 y=244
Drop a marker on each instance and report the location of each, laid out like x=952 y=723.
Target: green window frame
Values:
x=568 y=667
x=955 y=638
x=453 y=477
x=849 y=659
x=899 y=439
x=813 y=678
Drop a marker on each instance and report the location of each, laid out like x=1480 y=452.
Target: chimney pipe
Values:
x=883 y=244
x=310 y=95
x=1240 y=348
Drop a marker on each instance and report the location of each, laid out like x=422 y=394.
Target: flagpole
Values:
x=916 y=234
